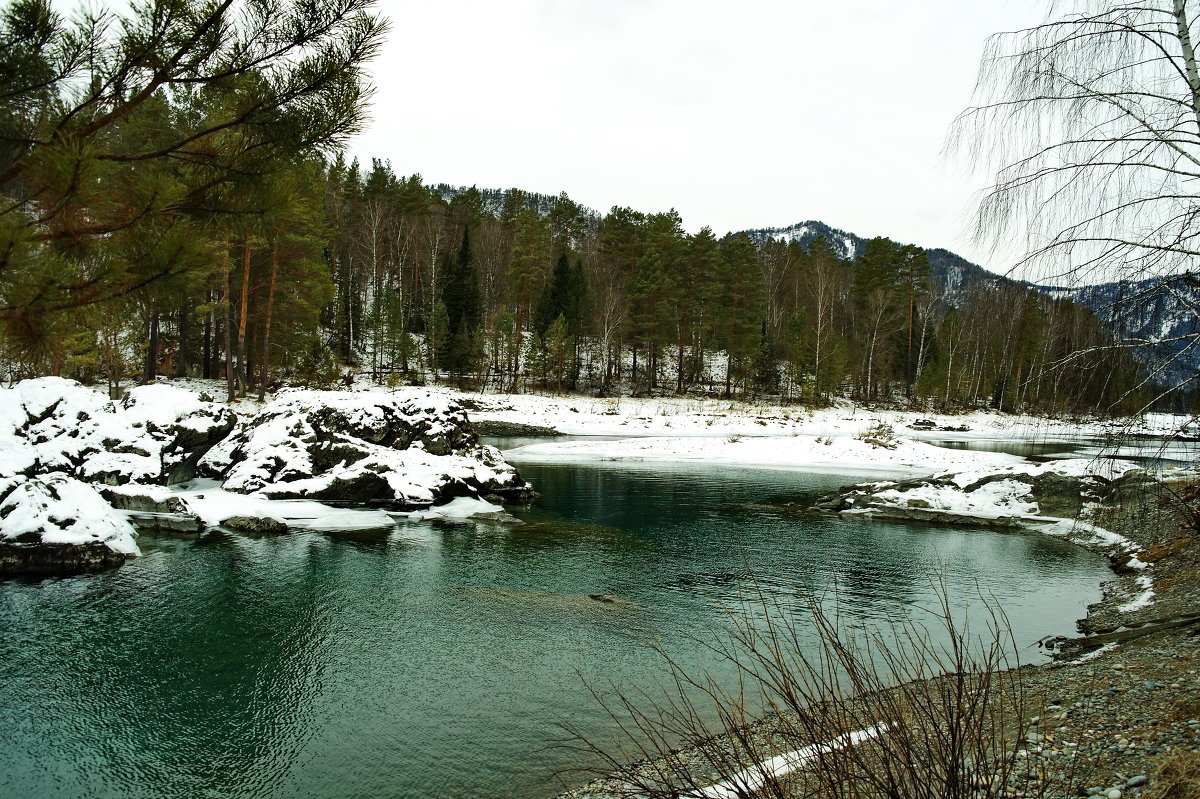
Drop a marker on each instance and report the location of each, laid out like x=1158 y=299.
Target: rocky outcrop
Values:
x=55 y=523
x=495 y=427
x=156 y=434
x=79 y=472
x=1007 y=497
x=63 y=444
x=400 y=451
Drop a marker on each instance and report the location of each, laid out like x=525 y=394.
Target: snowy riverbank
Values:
x=65 y=448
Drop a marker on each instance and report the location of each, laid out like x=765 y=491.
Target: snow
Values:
x=213 y=504
x=57 y=509
x=307 y=443
x=1093 y=655
x=1000 y=498
x=837 y=454
x=459 y=508
x=52 y=424
x=1143 y=599
x=752 y=779
x=676 y=416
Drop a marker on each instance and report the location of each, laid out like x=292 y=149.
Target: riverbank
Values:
x=1116 y=712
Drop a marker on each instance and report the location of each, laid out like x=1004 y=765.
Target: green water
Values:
x=438 y=660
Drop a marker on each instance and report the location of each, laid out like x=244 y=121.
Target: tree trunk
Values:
x=266 y=347
x=181 y=361
x=228 y=328
x=151 y=367
x=206 y=367
x=242 y=373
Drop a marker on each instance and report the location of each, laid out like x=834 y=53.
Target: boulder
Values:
x=55 y=523
x=255 y=525
x=153 y=508
x=401 y=451
x=493 y=427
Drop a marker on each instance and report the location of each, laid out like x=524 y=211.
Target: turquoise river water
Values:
x=439 y=660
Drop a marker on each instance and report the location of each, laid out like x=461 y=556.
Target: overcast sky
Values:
x=758 y=113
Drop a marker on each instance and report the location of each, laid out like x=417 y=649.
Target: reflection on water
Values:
x=435 y=660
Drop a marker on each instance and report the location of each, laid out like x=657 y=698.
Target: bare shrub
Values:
x=909 y=709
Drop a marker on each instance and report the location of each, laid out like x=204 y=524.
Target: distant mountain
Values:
x=956 y=273
x=846 y=245
x=1160 y=311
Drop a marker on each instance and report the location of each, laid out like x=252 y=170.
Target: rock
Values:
x=402 y=451
x=57 y=558
x=498 y=428
x=143 y=499
x=167 y=522
x=1137 y=782
x=54 y=523
x=157 y=434
x=1112 y=793
x=255 y=525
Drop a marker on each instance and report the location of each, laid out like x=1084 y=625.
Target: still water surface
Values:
x=436 y=661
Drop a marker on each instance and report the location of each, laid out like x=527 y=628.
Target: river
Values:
x=438 y=660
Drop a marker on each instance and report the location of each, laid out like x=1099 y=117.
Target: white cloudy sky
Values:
x=757 y=113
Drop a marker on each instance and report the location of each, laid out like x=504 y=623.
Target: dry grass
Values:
x=1178 y=777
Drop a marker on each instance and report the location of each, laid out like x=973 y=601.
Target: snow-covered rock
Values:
x=57 y=437
x=156 y=434
x=53 y=523
x=998 y=496
x=403 y=451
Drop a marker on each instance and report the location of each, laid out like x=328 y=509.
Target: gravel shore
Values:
x=1116 y=713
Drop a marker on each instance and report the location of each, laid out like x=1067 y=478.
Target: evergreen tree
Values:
x=100 y=119
x=739 y=330
x=460 y=296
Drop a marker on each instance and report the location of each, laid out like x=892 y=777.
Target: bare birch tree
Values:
x=1090 y=123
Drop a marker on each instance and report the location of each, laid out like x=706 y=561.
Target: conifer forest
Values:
x=182 y=206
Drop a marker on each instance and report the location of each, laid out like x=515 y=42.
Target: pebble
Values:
x=1137 y=782
x=1113 y=793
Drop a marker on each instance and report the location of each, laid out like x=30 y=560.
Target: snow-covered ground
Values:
x=51 y=425
x=837 y=454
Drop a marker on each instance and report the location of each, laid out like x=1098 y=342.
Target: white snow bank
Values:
x=1144 y=599
x=213 y=504
x=677 y=416
x=1000 y=498
x=57 y=509
x=459 y=508
x=1106 y=468
x=840 y=454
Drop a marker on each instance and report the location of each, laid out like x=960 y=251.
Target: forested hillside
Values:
x=513 y=291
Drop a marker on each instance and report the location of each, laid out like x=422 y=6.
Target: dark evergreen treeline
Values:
x=508 y=290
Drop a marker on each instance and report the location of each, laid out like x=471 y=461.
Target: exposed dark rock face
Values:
x=497 y=428
x=255 y=525
x=57 y=558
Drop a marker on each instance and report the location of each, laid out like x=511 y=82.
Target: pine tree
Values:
x=739 y=330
